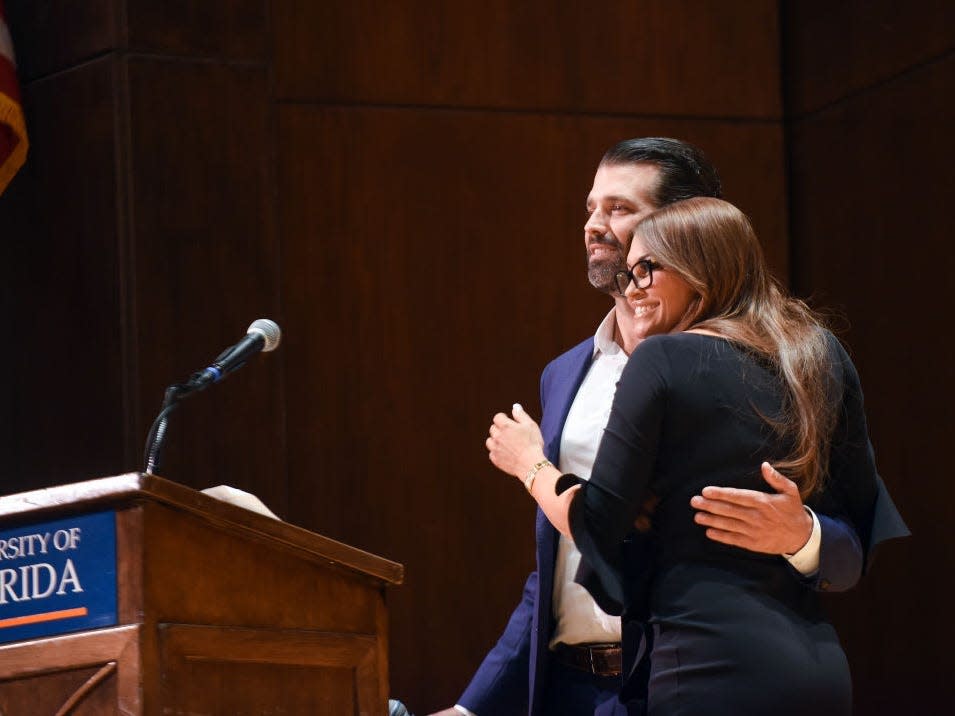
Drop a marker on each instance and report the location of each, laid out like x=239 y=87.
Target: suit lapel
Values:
x=566 y=382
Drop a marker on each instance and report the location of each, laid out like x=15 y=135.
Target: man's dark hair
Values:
x=684 y=170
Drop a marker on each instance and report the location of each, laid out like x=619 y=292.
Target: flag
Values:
x=13 y=131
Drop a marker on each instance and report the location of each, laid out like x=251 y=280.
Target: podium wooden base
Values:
x=220 y=611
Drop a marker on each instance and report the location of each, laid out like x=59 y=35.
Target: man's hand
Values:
x=447 y=712
x=756 y=521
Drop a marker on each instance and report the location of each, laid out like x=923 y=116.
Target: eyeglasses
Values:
x=641 y=274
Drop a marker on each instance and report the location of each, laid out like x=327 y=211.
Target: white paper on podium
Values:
x=240 y=498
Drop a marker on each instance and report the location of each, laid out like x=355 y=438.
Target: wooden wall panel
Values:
x=872 y=232
x=225 y=29
x=53 y=35
x=836 y=48
x=205 y=266
x=433 y=264
x=60 y=227
x=681 y=58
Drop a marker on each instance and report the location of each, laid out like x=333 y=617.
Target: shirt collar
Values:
x=603 y=338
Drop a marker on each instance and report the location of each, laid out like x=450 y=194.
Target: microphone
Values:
x=263 y=335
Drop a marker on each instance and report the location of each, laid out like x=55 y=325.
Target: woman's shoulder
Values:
x=677 y=353
x=841 y=368
x=684 y=341
x=835 y=345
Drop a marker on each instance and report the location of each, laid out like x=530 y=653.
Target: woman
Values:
x=731 y=372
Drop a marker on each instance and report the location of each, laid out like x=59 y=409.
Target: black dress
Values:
x=735 y=632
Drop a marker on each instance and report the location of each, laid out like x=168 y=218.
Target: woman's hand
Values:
x=515 y=445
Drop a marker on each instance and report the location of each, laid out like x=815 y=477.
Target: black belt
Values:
x=597 y=659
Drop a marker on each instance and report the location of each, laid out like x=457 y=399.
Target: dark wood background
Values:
x=401 y=187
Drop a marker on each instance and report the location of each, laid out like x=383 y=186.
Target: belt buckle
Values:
x=593 y=667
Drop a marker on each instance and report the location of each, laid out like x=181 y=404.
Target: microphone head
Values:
x=270 y=332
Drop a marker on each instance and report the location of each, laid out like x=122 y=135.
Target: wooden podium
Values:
x=219 y=611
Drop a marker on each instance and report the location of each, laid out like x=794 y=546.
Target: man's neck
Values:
x=623 y=334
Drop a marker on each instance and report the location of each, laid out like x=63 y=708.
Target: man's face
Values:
x=622 y=195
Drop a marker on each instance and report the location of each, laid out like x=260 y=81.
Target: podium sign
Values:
x=58 y=577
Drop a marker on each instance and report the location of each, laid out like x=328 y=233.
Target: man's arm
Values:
x=499 y=686
x=779 y=523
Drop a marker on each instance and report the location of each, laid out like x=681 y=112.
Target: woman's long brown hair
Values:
x=712 y=246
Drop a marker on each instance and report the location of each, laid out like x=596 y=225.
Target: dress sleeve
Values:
x=602 y=513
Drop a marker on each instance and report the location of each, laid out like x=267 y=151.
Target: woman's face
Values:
x=661 y=306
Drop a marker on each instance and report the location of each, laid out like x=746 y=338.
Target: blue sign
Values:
x=58 y=577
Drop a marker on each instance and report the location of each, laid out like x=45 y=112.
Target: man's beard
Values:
x=601 y=274
x=601 y=271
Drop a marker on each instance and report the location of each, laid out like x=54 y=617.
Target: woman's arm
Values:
x=515 y=446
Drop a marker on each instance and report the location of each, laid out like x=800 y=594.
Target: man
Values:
x=560 y=654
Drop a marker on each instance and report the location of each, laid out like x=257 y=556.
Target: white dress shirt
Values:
x=578 y=618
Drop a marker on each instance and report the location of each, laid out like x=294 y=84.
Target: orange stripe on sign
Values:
x=45 y=617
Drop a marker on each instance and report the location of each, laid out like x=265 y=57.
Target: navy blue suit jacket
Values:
x=512 y=676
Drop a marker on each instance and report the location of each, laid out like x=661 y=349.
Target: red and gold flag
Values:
x=13 y=131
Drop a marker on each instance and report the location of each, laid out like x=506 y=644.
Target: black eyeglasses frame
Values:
x=640 y=274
